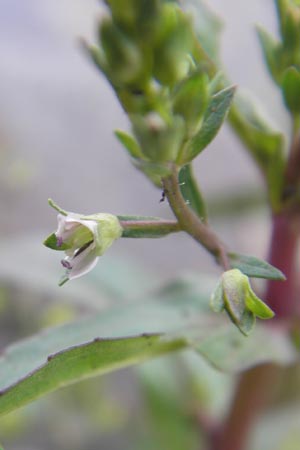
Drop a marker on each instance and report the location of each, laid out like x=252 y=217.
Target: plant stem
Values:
x=281 y=296
x=190 y=222
x=255 y=386
x=148 y=228
x=254 y=390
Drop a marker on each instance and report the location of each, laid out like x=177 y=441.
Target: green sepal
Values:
x=216 y=300
x=214 y=117
x=51 y=242
x=291 y=90
x=174 y=44
x=247 y=322
x=190 y=100
x=254 y=267
x=124 y=60
x=154 y=171
x=257 y=306
x=234 y=294
x=190 y=191
x=129 y=143
x=159 y=141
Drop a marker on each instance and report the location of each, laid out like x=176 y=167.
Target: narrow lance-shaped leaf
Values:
x=214 y=117
x=178 y=316
x=129 y=143
x=254 y=267
x=83 y=361
x=271 y=51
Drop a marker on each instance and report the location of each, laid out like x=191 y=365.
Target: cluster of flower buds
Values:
x=150 y=54
x=283 y=56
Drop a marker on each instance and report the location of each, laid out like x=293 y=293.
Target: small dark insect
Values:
x=163 y=196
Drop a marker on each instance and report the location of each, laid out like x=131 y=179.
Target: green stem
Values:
x=190 y=222
x=148 y=228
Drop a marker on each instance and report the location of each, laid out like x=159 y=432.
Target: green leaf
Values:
x=214 y=117
x=254 y=267
x=208 y=27
x=190 y=191
x=291 y=89
x=177 y=316
x=190 y=100
x=129 y=143
x=265 y=145
x=216 y=300
x=271 y=52
x=82 y=361
x=167 y=424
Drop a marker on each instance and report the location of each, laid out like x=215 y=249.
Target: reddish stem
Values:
x=255 y=386
x=281 y=296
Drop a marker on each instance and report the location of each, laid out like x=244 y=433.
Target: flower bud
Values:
x=234 y=294
x=123 y=57
x=190 y=100
x=84 y=239
x=159 y=141
x=174 y=46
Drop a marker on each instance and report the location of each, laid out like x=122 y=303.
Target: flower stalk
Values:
x=190 y=222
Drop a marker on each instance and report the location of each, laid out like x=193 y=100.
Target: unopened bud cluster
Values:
x=150 y=54
x=283 y=56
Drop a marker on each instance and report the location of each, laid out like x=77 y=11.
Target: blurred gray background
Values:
x=57 y=116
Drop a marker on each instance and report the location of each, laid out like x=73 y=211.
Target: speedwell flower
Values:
x=83 y=239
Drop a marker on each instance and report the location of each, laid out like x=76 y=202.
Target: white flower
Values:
x=84 y=239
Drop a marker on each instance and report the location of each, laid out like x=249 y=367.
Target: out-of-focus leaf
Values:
x=214 y=117
x=208 y=26
x=177 y=316
x=190 y=191
x=254 y=267
x=129 y=143
x=271 y=52
x=26 y=263
x=264 y=144
x=291 y=89
x=168 y=424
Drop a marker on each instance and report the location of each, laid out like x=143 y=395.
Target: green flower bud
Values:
x=291 y=89
x=190 y=100
x=159 y=141
x=84 y=239
x=133 y=15
x=234 y=294
x=172 y=55
x=124 y=60
x=289 y=16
